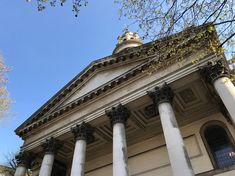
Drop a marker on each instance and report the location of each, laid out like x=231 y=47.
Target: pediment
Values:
x=96 y=74
x=105 y=74
x=98 y=79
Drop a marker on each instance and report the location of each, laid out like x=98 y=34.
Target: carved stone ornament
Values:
x=162 y=94
x=83 y=131
x=51 y=145
x=118 y=114
x=151 y=111
x=212 y=72
x=24 y=159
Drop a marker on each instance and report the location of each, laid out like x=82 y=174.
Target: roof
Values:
x=149 y=50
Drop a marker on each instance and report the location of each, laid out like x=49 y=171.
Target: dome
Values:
x=127 y=40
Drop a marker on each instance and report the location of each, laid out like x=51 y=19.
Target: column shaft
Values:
x=20 y=171
x=226 y=91
x=50 y=146
x=120 y=167
x=217 y=74
x=83 y=134
x=23 y=160
x=79 y=156
x=47 y=164
x=178 y=156
x=118 y=117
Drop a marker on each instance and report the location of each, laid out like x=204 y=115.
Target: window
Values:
x=219 y=145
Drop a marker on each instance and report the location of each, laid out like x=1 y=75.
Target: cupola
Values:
x=127 y=40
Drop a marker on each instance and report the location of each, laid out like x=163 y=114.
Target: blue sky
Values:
x=46 y=50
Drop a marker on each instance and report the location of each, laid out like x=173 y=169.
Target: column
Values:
x=50 y=147
x=218 y=75
x=35 y=172
x=23 y=160
x=83 y=134
x=118 y=117
x=35 y=168
x=179 y=160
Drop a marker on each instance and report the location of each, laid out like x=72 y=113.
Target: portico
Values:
x=120 y=128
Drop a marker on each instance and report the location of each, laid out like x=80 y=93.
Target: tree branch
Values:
x=227 y=39
x=222 y=4
x=223 y=22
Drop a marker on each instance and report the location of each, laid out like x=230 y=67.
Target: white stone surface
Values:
x=78 y=165
x=132 y=90
x=129 y=45
x=151 y=154
x=120 y=166
x=178 y=156
x=226 y=91
x=99 y=79
x=47 y=164
x=20 y=171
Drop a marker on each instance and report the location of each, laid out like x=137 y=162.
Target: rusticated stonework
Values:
x=24 y=159
x=212 y=72
x=118 y=114
x=51 y=145
x=162 y=94
x=83 y=131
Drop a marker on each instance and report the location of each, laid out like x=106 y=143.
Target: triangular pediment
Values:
x=100 y=78
x=105 y=74
x=92 y=77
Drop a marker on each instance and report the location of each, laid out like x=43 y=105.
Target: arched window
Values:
x=219 y=144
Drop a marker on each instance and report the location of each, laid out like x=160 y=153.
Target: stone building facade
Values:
x=163 y=108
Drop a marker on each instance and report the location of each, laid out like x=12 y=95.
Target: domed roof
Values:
x=127 y=40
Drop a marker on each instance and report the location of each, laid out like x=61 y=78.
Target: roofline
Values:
x=122 y=56
x=86 y=69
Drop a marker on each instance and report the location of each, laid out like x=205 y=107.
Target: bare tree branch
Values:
x=227 y=39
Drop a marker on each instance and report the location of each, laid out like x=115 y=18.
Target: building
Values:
x=6 y=171
x=9 y=171
x=162 y=108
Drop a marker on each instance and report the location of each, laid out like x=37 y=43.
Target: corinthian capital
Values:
x=24 y=158
x=212 y=72
x=162 y=94
x=118 y=114
x=83 y=131
x=51 y=145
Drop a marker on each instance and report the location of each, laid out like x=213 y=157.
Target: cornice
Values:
x=182 y=72
x=39 y=118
